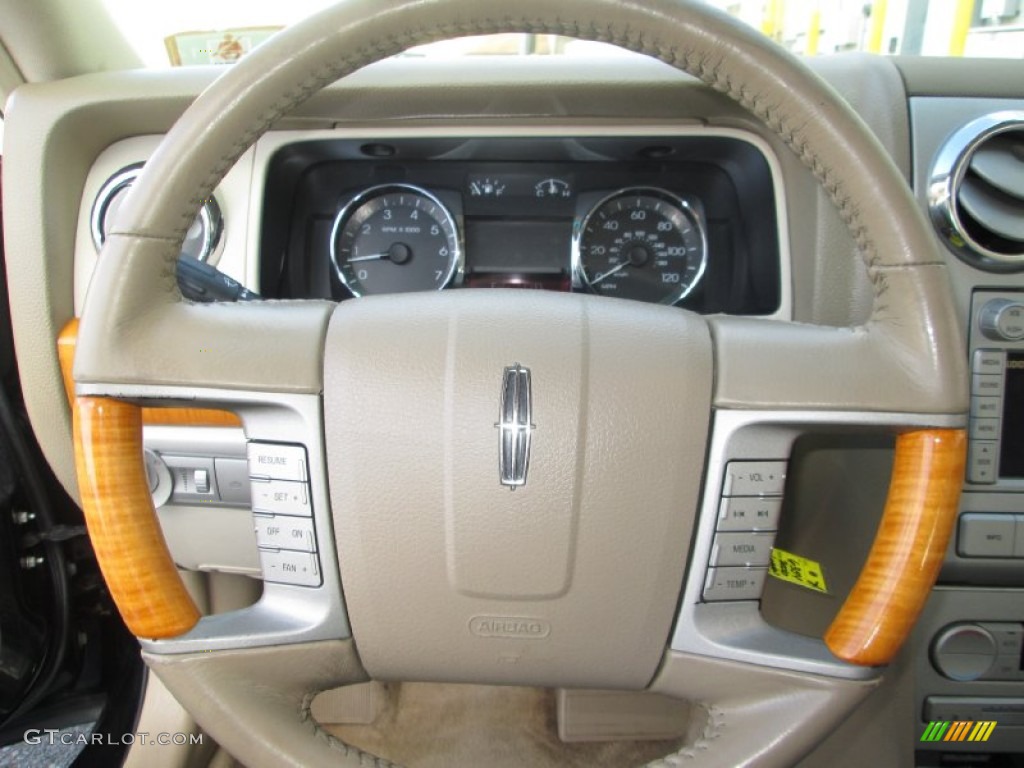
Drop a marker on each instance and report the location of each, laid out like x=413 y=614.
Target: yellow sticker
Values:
x=797 y=570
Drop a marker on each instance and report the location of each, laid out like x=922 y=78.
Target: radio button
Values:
x=990 y=407
x=987 y=384
x=982 y=461
x=986 y=535
x=985 y=429
x=989 y=361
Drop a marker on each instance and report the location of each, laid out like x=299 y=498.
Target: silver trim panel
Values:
x=285 y=614
x=735 y=630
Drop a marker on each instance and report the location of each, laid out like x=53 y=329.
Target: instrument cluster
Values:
x=687 y=221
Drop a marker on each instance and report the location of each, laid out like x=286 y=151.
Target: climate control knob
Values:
x=964 y=652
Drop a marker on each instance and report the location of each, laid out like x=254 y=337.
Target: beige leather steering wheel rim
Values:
x=912 y=332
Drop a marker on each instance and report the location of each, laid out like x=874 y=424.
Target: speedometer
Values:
x=641 y=243
x=395 y=238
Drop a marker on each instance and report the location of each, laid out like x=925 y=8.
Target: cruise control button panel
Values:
x=283 y=514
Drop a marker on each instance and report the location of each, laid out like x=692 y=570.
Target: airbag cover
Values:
x=571 y=579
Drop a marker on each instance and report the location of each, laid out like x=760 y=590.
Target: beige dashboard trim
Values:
x=233 y=196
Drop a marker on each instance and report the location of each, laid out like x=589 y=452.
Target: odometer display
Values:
x=644 y=244
x=395 y=238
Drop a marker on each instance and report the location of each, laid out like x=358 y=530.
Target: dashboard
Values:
x=341 y=202
x=690 y=221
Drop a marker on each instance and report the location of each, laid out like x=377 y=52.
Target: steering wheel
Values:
x=590 y=574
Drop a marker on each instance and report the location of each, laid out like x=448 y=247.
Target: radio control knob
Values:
x=964 y=652
x=1002 y=320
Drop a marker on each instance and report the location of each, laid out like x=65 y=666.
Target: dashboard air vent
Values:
x=976 y=193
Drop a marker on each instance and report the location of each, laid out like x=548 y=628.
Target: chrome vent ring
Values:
x=976 y=192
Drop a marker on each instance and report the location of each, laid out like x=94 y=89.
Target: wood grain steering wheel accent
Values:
x=122 y=522
x=905 y=559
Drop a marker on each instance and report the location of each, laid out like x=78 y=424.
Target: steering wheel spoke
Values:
x=746 y=478
x=302 y=599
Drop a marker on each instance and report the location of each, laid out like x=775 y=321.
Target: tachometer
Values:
x=395 y=238
x=641 y=243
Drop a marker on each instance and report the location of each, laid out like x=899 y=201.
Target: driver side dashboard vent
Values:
x=976 y=192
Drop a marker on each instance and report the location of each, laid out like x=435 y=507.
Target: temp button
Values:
x=734 y=584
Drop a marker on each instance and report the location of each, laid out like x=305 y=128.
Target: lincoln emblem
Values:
x=515 y=426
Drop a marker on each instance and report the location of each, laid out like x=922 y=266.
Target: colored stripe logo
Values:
x=958 y=730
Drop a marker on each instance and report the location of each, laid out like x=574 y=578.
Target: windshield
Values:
x=193 y=32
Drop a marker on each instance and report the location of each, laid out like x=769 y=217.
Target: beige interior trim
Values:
x=54 y=39
x=271 y=690
x=981 y=78
x=752 y=715
x=161 y=713
x=10 y=76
